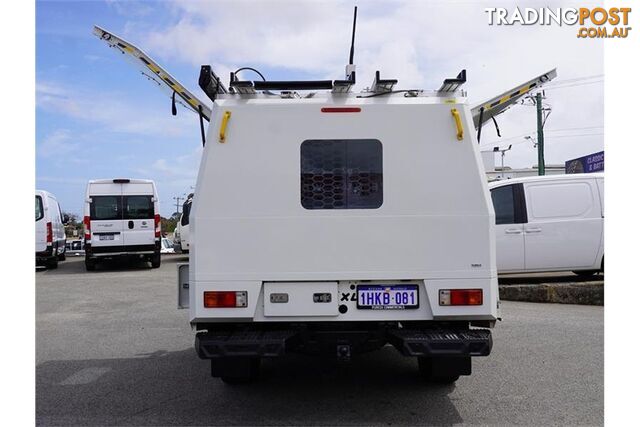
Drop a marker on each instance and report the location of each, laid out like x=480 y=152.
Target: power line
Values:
x=497 y=142
x=571 y=85
x=576 y=79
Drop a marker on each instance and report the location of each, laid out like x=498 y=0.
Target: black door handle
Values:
x=130 y=225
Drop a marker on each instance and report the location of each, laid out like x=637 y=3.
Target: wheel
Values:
x=443 y=370
x=62 y=256
x=90 y=264
x=236 y=370
x=52 y=263
x=585 y=273
x=155 y=260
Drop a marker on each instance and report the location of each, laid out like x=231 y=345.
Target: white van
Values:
x=121 y=218
x=181 y=234
x=50 y=236
x=550 y=223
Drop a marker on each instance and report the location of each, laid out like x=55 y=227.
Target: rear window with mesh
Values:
x=341 y=174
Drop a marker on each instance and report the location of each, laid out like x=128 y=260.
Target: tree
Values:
x=168 y=224
x=73 y=225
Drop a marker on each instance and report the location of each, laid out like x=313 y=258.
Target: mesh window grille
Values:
x=341 y=174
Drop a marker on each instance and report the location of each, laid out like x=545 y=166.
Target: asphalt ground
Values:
x=112 y=349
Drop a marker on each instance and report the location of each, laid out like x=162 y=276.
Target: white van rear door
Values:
x=565 y=225
x=105 y=211
x=41 y=225
x=138 y=214
x=509 y=230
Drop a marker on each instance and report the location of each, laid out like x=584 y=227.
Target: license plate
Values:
x=106 y=237
x=387 y=297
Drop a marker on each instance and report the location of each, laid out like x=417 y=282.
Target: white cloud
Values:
x=112 y=110
x=57 y=144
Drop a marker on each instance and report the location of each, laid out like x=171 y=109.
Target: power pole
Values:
x=177 y=199
x=540 y=134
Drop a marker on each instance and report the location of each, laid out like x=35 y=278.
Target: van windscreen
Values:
x=105 y=208
x=39 y=209
x=138 y=207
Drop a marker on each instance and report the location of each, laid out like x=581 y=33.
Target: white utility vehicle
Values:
x=121 y=219
x=326 y=221
x=50 y=236
x=181 y=234
x=550 y=223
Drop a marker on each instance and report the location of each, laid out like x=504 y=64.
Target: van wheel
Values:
x=90 y=264
x=155 y=260
x=585 y=273
x=52 y=263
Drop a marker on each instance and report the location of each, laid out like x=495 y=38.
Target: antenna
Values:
x=350 y=69
x=353 y=35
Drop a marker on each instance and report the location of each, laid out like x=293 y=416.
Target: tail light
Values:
x=460 y=296
x=156 y=219
x=49 y=233
x=87 y=228
x=219 y=299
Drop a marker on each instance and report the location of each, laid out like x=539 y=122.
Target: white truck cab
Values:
x=331 y=222
x=50 y=235
x=121 y=219
x=550 y=223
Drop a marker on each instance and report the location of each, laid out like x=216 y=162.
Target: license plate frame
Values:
x=107 y=237
x=411 y=289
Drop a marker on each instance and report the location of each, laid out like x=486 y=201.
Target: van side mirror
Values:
x=65 y=219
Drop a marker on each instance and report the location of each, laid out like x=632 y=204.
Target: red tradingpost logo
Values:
x=596 y=22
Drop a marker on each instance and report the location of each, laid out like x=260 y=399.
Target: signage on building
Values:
x=591 y=163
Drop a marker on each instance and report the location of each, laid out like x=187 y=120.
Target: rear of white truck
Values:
x=337 y=225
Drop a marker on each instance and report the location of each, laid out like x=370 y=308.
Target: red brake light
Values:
x=156 y=219
x=219 y=299
x=87 y=228
x=460 y=296
x=340 y=109
x=49 y=233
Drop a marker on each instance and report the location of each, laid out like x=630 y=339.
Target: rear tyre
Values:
x=586 y=273
x=90 y=264
x=62 y=256
x=443 y=370
x=236 y=370
x=52 y=263
x=155 y=260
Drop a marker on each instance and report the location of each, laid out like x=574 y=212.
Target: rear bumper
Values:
x=121 y=250
x=440 y=342
x=44 y=255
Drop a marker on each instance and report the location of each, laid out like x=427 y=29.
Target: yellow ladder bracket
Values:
x=456 y=117
x=223 y=126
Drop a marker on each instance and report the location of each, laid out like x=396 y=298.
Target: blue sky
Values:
x=97 y=117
